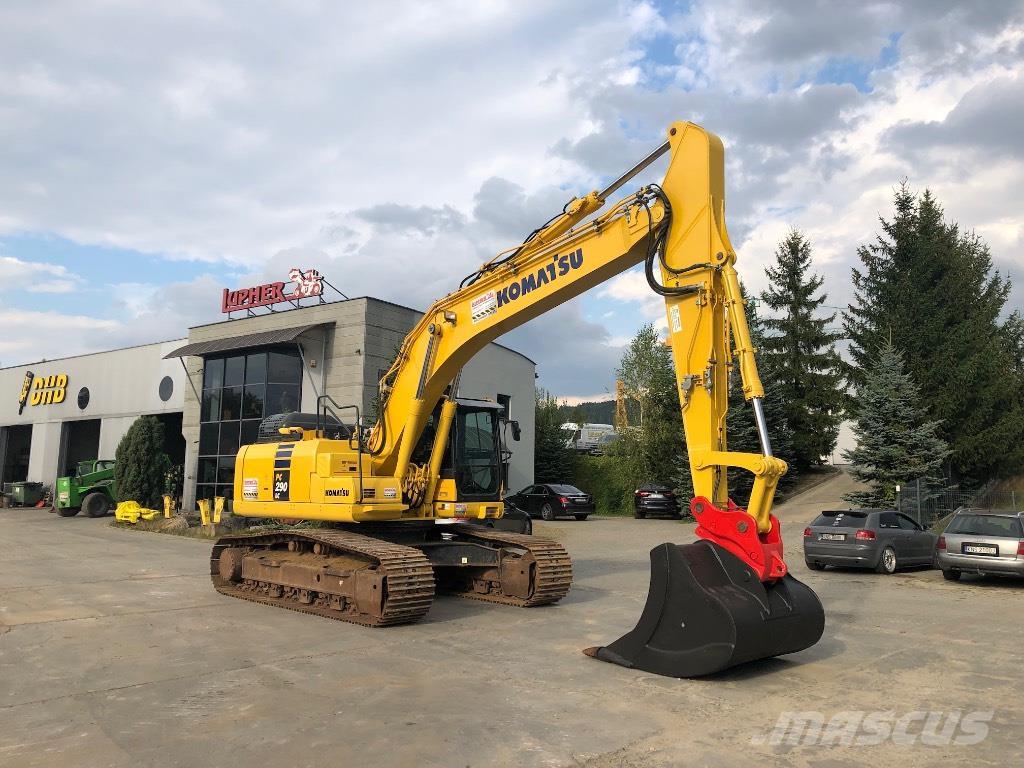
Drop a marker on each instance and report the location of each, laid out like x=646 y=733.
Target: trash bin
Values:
x=26 y=494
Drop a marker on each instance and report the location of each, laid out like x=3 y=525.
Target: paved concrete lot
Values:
x=115 y=651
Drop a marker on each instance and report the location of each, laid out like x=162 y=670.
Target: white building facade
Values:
x=212 y=389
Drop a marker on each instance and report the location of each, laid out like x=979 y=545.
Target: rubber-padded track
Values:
x=553 y=575
x=409 y=578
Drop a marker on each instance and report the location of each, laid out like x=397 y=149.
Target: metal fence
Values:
x=926 y=504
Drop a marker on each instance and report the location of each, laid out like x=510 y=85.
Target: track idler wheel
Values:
x=708 y=611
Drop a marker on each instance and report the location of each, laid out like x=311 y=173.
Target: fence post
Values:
x=919 y=501
x=1013 y=499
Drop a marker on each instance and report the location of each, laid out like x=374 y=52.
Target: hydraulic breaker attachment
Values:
x=707 y=610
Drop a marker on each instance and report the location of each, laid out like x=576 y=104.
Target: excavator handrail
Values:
x=321 y=419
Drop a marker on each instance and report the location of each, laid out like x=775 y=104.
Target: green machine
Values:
x=91 y=488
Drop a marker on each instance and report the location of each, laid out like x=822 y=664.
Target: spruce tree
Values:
x=553 y=461
x=742 y=428
x=896 y=440
x=933 y=290
x=800 y=349
x=140 y=471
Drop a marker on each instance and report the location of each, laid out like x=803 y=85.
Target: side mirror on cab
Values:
x=516 y=431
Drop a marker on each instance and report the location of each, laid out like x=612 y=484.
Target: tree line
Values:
x=932 y=377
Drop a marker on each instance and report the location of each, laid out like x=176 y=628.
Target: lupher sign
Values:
x=307 y=284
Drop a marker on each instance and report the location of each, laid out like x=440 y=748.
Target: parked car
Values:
x=985 y=542
x=551 y=500
x=655 y=499
x=867 y=538
x=514 y=519
x=603 y=442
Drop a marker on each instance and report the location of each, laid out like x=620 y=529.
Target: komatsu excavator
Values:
x=721 y=601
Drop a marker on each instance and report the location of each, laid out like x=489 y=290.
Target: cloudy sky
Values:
x=153 y=153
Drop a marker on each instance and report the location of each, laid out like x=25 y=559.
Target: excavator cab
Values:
x=474 y=465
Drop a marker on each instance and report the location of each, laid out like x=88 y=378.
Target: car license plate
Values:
x=979 y=549
x=832 y=537
x=655 y=496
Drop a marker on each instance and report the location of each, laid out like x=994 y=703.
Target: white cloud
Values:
x=36 y=277
x=31 y=336
x=397 y=150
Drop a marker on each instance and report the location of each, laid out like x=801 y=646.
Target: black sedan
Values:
x=551 y=500
x=655 y=499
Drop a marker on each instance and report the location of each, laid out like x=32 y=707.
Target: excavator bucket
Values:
x=708 y=611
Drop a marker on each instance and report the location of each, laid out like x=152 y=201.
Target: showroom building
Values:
x=212 y=389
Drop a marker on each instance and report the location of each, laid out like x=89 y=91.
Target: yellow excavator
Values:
x=430 y=457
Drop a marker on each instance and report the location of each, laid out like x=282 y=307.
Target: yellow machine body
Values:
x=319 y=479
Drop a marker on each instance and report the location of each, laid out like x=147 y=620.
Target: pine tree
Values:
x=553 y=460
x=800 y=349
x=896 y=441
x=933 y=290
x=741 y=425
x=141 y=467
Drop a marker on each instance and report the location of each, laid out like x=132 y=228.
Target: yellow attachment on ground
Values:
x=218 y=507
x=131 y=511
x=204 y=510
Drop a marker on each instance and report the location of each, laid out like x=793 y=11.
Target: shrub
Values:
x=141 y=469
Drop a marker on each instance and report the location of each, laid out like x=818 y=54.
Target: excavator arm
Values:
x=677 y=230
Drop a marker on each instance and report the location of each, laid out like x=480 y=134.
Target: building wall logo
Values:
x=42 y=390
x=308 y=283
x=26 y=388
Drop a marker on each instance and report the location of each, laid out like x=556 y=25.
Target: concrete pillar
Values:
x=43 y=459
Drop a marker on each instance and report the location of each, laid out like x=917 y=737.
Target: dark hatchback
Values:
x=551 y=500
x=882 y=539
x=655 y=499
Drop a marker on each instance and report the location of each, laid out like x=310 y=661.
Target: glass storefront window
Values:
x=229 y=432
x=207 y=470
x=210 y=409
x=239 y=391
x=234 y=371
x=282 y=398
x=252 y=404
x=226 y=470
x=284 y=367
x=208 y=439
x=256 y=368
x=231 y=404
x=213 y=374
x=250 y=431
